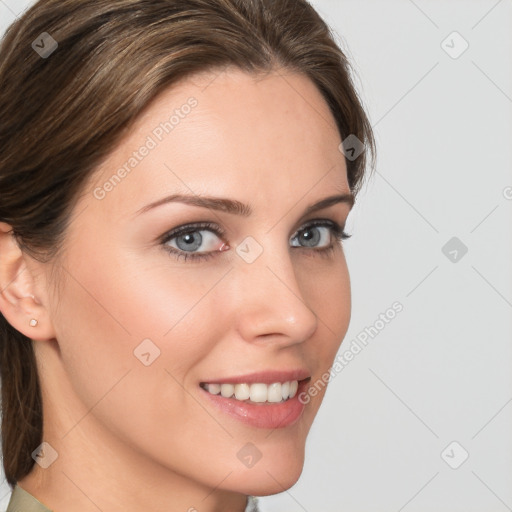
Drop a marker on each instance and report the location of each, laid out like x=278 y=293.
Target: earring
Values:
x=33 y=322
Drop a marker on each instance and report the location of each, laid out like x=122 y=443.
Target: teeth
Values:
x=242 y=391
x=227 y=390
x=293 y=388
x=285 y=390
x=256 y=392
x=274 y=392
x=259 y=392
x=214 y=388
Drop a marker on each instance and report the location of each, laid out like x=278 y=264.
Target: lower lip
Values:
x=264 y=415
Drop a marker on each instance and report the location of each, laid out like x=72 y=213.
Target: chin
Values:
x=272 y=474
x=265 y=484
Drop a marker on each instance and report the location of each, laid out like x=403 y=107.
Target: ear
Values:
x=23 y=294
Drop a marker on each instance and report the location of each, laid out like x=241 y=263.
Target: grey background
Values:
x=439 y=372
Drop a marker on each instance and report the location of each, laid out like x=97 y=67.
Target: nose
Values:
x=270 y=306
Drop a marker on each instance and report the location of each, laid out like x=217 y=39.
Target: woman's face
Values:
x=255 y=290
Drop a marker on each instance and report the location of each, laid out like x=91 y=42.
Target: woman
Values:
x=175 y=177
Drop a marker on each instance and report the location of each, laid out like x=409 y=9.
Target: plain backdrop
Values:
x=421 y=418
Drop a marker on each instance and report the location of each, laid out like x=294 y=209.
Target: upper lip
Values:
x=265 y=377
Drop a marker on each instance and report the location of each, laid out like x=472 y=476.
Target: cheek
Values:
x=327 y=292
x=107 y=312
x=135 y=300
x=114 y=318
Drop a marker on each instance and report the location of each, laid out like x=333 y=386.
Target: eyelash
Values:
x=336 y=230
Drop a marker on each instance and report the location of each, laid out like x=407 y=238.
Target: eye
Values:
x=194 y=240
x=318 y=234
x=204 y=240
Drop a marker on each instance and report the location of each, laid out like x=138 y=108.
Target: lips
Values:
x=271 y=408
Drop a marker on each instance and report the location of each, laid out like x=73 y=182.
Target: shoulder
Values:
x=23 y=501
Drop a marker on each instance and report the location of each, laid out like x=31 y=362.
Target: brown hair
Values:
x=63 y=113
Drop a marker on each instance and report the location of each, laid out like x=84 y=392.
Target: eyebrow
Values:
x=236 y=207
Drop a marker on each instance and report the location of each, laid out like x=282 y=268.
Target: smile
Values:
x=257 y=392
x=271 y=405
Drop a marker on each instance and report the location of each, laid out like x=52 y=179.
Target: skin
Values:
x=131 y=437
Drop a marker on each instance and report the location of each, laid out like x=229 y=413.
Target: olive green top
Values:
x=23 y=501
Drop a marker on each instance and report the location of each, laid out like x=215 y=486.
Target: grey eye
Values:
x=312 y=236
x=200 y=240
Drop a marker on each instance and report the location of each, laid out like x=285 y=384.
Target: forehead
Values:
x=227 y=133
